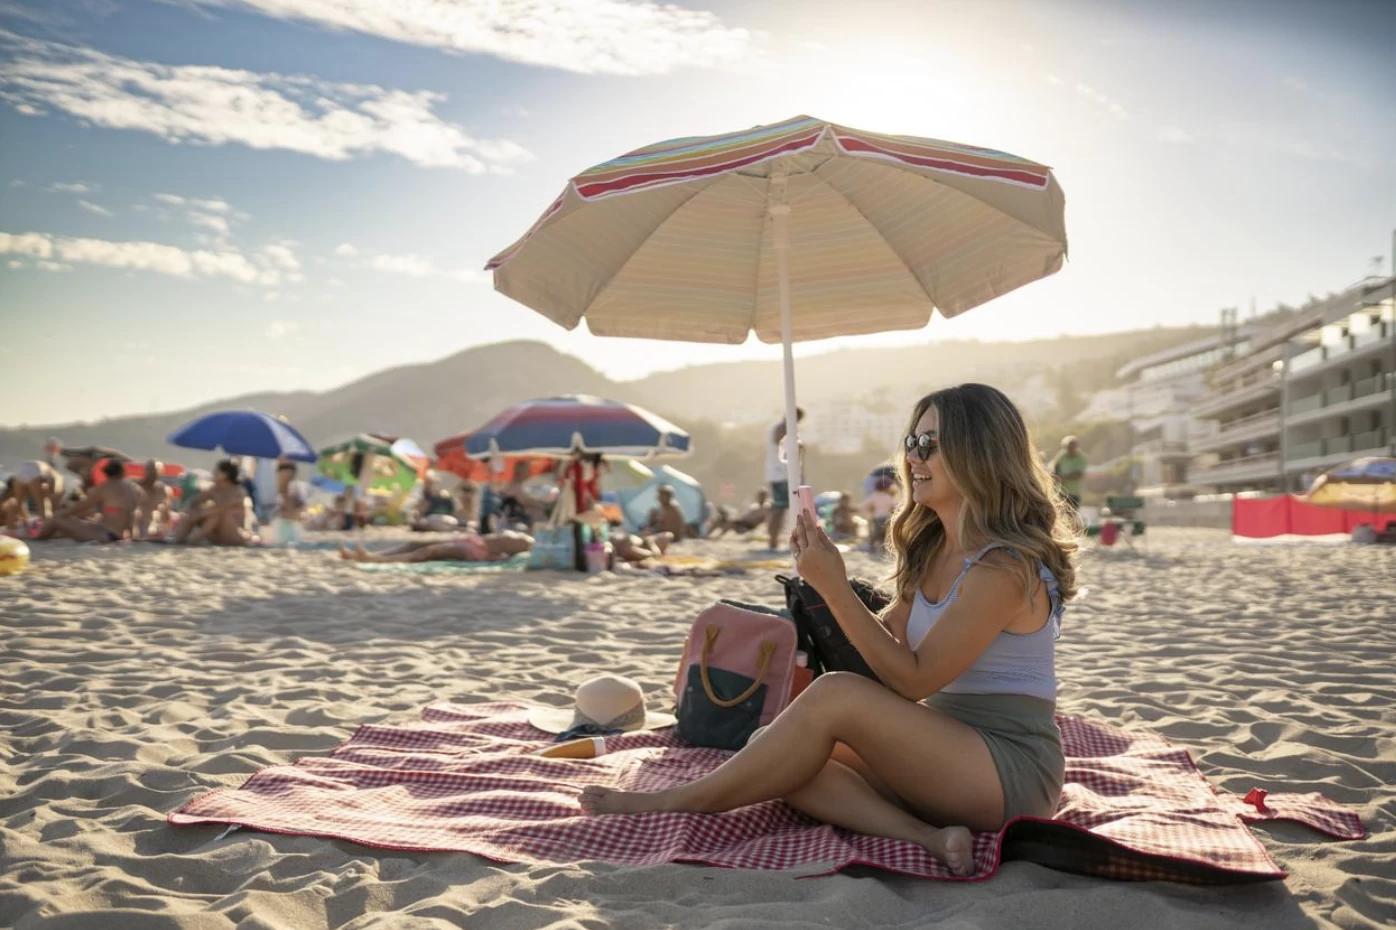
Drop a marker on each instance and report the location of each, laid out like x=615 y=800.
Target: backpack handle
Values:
x=768 y=649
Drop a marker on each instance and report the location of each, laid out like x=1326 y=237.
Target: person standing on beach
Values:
x=1069 y=468
x=778 y=478
x=958 y=733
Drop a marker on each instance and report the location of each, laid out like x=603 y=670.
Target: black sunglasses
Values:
x=923 y=446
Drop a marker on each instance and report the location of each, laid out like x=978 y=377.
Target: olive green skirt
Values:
x=1022 y=736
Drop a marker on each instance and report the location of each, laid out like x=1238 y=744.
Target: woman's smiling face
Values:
x=930 y=483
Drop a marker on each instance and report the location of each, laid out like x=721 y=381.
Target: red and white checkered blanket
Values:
x=464 y=778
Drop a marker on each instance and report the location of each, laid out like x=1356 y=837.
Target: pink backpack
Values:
x=737 y=673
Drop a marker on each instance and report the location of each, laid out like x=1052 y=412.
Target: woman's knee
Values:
x=836 y=686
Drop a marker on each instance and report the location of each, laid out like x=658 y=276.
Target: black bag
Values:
x=819 y=633
x=703 y=723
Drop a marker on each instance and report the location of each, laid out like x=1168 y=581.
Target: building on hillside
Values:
x=1157 y=398
x=846 y=427
x=1305 y=395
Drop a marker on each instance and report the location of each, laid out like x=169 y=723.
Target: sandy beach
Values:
x=138 y=677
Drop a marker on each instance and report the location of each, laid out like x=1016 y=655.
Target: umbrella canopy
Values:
x=798 y=230
x=1367 y=483
x=571 y=423
x=343 y=461
x=451 y=457
x=244 y=432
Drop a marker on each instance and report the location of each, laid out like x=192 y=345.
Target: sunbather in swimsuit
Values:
x=468 y=547
x=221 y=521
x=105 y=515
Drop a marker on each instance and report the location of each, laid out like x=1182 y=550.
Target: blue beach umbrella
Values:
x=576 y=423
x=244 y=432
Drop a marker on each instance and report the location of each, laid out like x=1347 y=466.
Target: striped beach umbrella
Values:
x=797 y=230
x=576 y=423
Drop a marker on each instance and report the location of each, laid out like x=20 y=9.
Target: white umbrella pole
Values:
x=780 y=238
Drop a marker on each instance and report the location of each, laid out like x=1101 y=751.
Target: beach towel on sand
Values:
x=463 y=778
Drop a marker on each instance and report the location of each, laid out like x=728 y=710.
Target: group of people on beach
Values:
x=120 y=508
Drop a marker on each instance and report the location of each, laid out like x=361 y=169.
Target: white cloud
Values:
x=1174 y=135
x=52 y=266
x=212 y=206
x=414 y=265
x=13 y=264
x=173 y=200
x=209 y=221
x=35 y=245
x=335 y=282
x=215 y=106
x=586 y=36
x=76 y=187
x=345 y=250
x=94 y=208
x=417 y=266
x=140 y=256
x=281 y=256
x=18 y=183
x=280 y=329
x=1054 y=80
x=271 y=297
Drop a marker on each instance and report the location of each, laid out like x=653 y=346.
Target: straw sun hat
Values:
x=606 y=702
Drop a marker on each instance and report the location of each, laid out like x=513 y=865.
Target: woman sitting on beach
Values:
x=468 y=547
x=960 y=734
x=112 y=507
x=219 y=514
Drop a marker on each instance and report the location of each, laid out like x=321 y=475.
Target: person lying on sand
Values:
x=106 y=514
x=219 y=514
x=958 y=734
x=467 y=547
x=154 y=512
x=754 y=518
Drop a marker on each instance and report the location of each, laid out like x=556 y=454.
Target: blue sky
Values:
x=200 y=198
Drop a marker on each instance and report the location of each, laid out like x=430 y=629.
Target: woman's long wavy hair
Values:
x=1009 y=497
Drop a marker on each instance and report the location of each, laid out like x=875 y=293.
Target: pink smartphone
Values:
x=805 y=494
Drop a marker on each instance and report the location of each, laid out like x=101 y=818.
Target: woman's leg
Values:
x=74 y=528
x=847 y=794
x=938 y=766
x=428 y=552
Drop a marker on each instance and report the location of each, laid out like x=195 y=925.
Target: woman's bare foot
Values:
x=954 y=846
x=346 y=553
x=598 y=800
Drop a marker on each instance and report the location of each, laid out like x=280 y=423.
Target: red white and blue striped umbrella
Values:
x=577 y=423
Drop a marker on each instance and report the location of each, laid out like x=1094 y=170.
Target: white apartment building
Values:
x=1157 y=399
x=844 y=427
x=1308 y=394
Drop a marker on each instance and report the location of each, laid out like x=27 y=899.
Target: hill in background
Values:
x=725 y=405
